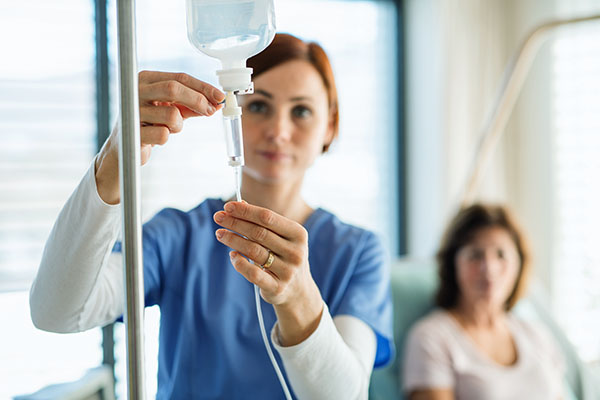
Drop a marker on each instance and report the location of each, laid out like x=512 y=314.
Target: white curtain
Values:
x=456 y=52
x=477 y=48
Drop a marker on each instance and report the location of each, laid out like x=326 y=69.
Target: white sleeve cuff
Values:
x=91 y=189
x=305 y=346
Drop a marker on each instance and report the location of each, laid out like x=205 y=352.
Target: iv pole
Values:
x=129 y=165
x=511 y=86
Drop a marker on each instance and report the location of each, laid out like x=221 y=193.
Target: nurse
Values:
x=326 y=282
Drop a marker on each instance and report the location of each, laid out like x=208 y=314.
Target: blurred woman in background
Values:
x=472 y=346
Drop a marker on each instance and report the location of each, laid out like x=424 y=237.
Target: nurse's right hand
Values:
x=166 y=100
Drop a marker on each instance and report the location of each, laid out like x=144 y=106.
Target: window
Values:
x=47 y=122
x=31 y=359
x=576 y=125
x=47 y=126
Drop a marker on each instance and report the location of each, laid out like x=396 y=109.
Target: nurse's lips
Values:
x=274 y=155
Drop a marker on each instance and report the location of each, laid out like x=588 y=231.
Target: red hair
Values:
x=289 y=48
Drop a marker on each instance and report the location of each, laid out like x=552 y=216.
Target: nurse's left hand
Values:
x=287 y=282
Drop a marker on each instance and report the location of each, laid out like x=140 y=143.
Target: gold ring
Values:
x=269 y=261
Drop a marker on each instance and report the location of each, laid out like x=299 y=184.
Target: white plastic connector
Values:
x=236 y=80
x=231 y=108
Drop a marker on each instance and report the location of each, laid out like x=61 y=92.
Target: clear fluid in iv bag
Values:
x=230 y=30
x=233 y=47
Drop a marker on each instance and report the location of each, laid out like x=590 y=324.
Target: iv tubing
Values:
x=261 y=323
x=238 y=196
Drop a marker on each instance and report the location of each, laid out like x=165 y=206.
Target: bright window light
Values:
x=576 y=125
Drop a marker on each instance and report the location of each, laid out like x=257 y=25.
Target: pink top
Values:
x=440 y=355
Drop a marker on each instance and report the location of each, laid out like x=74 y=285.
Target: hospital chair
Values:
x=413 y=288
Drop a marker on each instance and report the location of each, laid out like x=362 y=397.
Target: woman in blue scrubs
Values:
x=326 y=282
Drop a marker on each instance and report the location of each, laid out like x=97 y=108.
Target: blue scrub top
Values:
x=210 y=345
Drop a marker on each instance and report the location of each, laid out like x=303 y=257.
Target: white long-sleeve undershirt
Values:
x=80 y=285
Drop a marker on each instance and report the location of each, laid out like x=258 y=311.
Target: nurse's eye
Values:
x=257 y=107
x=501 y=255
x=301 y=112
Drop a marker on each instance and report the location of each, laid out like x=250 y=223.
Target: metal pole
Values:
x=102 y=75
x=129 y=164
x=502 y=107
x=102 y=132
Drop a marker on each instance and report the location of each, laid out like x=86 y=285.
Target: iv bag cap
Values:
x=232 y=112
x=236 y=80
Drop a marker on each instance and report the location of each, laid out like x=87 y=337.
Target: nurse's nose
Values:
x=279 y=127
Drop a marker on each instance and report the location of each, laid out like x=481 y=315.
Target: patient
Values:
x=472 y=346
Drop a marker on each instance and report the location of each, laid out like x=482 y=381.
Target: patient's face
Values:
x=487 y=267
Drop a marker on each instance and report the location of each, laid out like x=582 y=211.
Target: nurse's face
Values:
x=487 y=268
x=286 y=122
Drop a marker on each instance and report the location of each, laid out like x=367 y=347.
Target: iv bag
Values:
x=230 y=30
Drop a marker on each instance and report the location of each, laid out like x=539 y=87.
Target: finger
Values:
x=175 y=92
x=212 y=94
x=261 y=216
x=183 y=110
x=254 y=251
x=154 y=134
x=252 y=231
x=168 y=116
x=187 y=113
x=264 y=279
